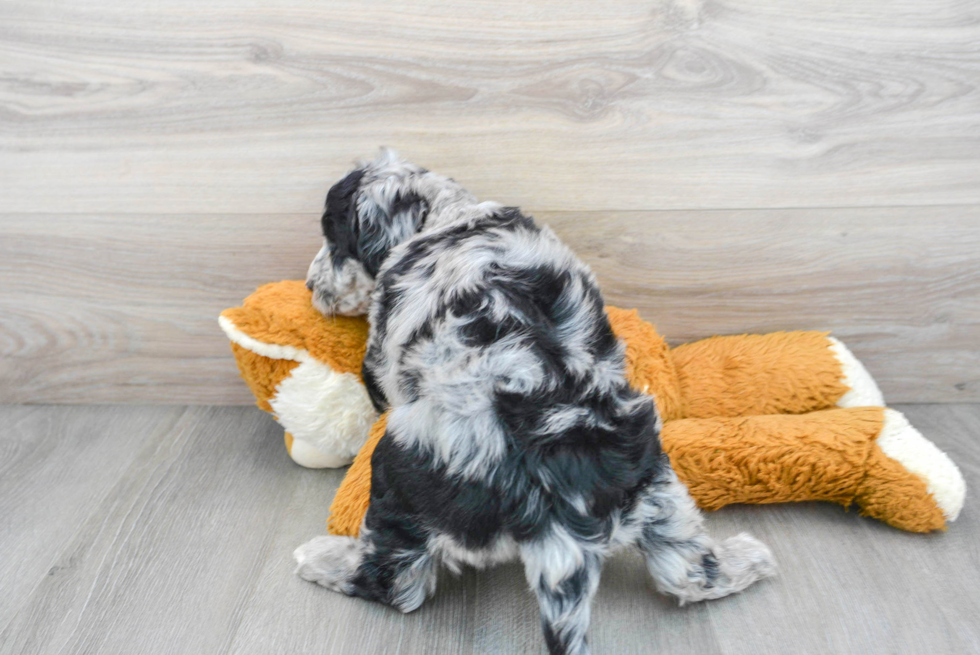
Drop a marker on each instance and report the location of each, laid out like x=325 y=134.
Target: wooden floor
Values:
x=127 y=529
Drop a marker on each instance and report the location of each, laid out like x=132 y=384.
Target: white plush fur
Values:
x=906 y=445
x=310 y=457
x=328 y=413
x=864 y=391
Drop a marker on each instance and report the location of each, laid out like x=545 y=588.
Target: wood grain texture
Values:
x=168 y=560
x=284 y=617
x=123 y=308
x=56 y=466
x=188 y=549
x=245 y=106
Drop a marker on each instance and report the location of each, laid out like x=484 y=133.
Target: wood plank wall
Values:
x=724 y=166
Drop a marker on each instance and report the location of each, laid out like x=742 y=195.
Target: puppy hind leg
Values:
x=389 y=570
x=330 y=561
x=564 y=575
x=683 y=560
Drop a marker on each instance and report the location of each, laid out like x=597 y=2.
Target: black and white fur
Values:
x=513 y=431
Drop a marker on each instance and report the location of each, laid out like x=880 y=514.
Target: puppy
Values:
x=513 y=431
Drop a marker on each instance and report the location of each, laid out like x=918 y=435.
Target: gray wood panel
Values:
x=188 y=549
x=167 y=561
x=107 y=308
x=56 y=466
x=664 y=104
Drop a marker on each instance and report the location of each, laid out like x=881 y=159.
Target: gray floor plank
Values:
x=169 y=560
x=288 y=615
x=189 y=550
x=56 y=465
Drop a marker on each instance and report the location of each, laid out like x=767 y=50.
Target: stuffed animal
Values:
x=788 y=416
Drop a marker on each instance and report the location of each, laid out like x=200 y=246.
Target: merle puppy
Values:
x=513 y=431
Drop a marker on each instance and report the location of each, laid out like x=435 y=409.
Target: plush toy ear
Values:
x=305 y=369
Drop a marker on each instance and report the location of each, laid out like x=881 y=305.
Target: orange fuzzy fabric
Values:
x=828 y=455
x=281 y=314
x=350 y=504
x=773 y=458
x=649 y=364
x=754 y=374
x=262 y=374
x=891 y=494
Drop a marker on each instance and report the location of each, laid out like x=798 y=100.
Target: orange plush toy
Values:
x=782 y=417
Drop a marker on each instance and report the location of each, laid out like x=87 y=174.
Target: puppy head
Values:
x=369 y=212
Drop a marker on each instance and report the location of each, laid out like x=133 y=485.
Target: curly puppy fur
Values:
x=513 y=431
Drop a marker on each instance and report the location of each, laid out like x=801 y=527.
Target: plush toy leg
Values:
x=778 y=373
x=898 y=450
x=869 y=456
x=351 y=501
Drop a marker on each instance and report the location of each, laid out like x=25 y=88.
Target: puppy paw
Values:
x=329 y=561
x=743 y=559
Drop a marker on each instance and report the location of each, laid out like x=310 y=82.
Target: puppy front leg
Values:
x=394 y=569
x=564 y=574
x=683 y=560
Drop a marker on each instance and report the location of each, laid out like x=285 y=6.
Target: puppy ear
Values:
x=381 y=227
x=339 y=221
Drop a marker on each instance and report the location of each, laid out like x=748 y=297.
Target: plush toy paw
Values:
x=910 y=483
x=310 y=456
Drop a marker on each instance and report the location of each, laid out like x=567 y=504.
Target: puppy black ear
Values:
x=383 y=226
x=339 y=221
